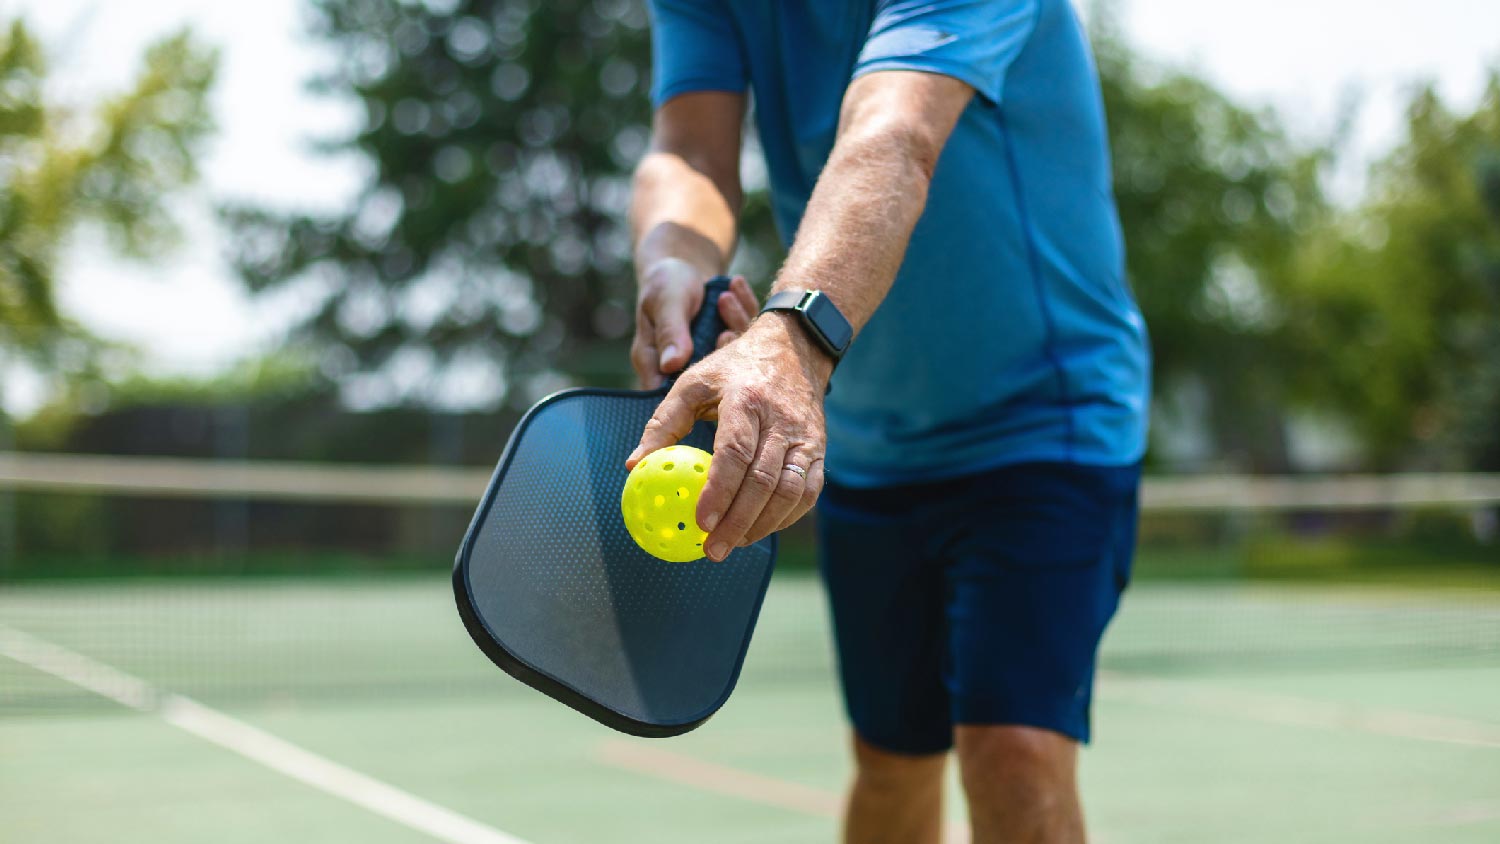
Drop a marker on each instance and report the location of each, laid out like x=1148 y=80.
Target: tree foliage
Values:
x=487 y=250
x=488 y=247
x=500 y=134
x=1212 y=198
x=112 y=164
x=1401 y=296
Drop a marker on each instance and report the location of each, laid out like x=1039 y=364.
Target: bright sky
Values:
x=189 y=316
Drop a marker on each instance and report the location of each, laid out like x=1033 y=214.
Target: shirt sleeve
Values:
x=974 y=41
x=695 y=46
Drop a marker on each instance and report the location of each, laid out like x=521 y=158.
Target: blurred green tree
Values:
x=113 y=164
x=1213 y=199
x=490 y=236
x=1400 y=298
x=1475 y=383
x=487 y=251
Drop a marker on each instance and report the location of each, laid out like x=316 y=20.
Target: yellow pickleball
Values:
x=660 y=502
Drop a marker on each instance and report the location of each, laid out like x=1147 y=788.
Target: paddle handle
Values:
x=708 y=325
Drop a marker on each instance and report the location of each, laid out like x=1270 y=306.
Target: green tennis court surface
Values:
x=357 y=710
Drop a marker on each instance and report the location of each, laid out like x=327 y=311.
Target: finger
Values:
x=747 y=299
x=644 y=359
x=734 y=313
x=735 y=446
x=810 y=492
x=791 y=481
x=725 y=339
x=670 y=311
x=760 y=483
x=673 y=418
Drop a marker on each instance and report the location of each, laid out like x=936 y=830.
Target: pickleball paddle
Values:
x=554 y=590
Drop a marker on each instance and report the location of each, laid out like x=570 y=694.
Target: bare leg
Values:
x=896 y=798
x=1022 y=785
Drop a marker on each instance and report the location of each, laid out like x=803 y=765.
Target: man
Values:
x=940 y=170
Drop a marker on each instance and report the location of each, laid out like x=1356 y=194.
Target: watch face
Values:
x=823 y=314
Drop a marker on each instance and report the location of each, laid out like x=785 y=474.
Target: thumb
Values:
x=670 y=329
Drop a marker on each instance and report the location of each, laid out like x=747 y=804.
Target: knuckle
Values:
x=654 y=289
x=657 y=426
x=808 y=502
x=739 y=516
x=814 y=485
x=737 y=451
x=758 y=395
x=691 y=390
x=790 y=488
x=740 y=525
x=754 y=399
x=760 y=479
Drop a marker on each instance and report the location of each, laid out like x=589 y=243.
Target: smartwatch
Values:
x=819 y=317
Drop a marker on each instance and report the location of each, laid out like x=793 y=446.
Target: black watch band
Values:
x=819 y=317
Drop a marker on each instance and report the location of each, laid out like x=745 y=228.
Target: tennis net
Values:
x=289 y=583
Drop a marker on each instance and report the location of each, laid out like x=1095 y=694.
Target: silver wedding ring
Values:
x=801 y=472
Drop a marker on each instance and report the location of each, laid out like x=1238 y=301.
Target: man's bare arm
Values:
x=766 y=388
x=683 y=214
x=892 y=129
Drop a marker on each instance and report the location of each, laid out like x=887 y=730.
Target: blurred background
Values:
x=277 y=279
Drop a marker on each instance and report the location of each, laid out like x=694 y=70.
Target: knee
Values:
x=883 y=769
x=1016 y=765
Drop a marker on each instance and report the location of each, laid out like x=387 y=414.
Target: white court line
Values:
x=1287 y=710
x=250 y=742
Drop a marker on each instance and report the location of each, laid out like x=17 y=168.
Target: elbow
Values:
x=909 y=147
x=666 y=170
x=651 y=171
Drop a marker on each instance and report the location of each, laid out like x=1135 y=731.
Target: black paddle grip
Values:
x=708 y=325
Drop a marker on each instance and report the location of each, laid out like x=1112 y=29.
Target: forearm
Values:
x=684 y=203
x=680 y=212
x=766 y=387
x=858 y=222
x=860 y=217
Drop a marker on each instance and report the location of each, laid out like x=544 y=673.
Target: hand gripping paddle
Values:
x=555 y=592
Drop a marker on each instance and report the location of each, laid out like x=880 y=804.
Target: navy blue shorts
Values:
x=979 y=600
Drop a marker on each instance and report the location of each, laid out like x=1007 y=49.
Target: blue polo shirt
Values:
x=1010 y=334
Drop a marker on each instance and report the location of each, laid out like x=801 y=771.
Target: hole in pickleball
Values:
x=698 y=467
x=668 y=467
x=660 y=500
x=682 y=525
x=650 y=529
x=682 y=492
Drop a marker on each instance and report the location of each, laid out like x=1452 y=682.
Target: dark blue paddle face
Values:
x=554 y=590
